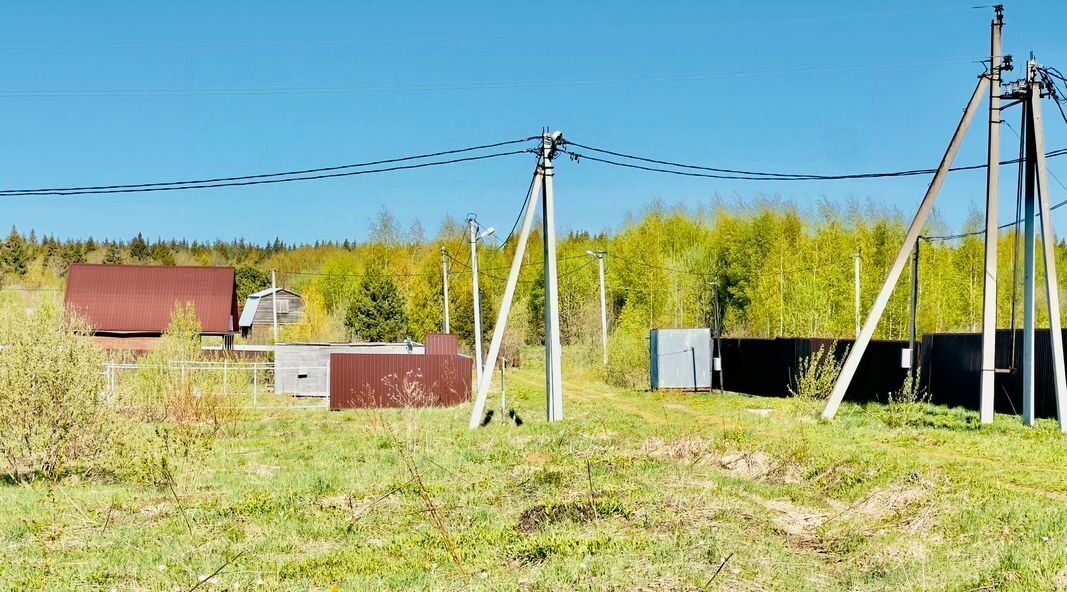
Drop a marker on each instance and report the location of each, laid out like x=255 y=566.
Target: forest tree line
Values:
x=779 y=270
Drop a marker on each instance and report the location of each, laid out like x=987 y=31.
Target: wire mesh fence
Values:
x=240 y=384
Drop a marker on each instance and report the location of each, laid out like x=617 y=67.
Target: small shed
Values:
x=257 y=316
x=680 y=359
x=304 y=368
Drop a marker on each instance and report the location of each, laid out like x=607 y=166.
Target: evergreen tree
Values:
x=376 y=312
x=15 y=254
x=162 y=254
x=113 y=255
x=139 y=248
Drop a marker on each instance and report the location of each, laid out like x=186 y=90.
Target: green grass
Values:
x=634 y=490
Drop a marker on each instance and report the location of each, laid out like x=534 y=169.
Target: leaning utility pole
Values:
x=852 y=361
x=992 y=233
x=541 y=182
x=914 y=308
x=444 y=284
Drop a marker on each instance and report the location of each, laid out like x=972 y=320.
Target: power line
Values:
x=278 y=177
x=759 y=176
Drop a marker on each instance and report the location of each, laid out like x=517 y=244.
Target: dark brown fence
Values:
x=768 y=367
x=952 y=362
x=398 y=380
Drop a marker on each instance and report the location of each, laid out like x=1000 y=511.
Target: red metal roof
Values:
x=142 y=298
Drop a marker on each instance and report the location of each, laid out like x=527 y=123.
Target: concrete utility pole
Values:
x=472 y=224
x=274 y=302
x=553 y=347
x=444 y=284
x=992 y=233
x=848 y=370
x=1036 y=155
x=553 y=377
x=856 y=273
x=603 y=303
x=914 y=306
x=505 y=302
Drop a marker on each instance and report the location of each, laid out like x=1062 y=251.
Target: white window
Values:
x=283 y=307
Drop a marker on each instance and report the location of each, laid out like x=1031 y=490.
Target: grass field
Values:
x=634 y=491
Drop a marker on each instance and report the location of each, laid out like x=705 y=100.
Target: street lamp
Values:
x=475 y=236
x=603 y=302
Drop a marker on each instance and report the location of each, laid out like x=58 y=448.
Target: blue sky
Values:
x=828 y=87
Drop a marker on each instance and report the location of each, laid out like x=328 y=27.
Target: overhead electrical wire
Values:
x=755 y=175
x=279 y=177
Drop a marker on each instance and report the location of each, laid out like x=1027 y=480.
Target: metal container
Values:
x=680 y=359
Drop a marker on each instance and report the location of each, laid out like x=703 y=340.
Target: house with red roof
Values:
x=130 y=306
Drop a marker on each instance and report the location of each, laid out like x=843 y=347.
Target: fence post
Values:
x=225 y=377
x=255 y=384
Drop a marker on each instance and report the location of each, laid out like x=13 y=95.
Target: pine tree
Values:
x=162 y=254
x=113 y=255
x=139 y=248
x=15 y=255
x=376 y=312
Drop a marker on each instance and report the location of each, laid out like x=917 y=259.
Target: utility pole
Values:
x=603 y=303
x=914 y=305
x=472 y=225
x=274 y=302
x=992 y=233
x=444 y=284
x=553 y=348
x=856 y=273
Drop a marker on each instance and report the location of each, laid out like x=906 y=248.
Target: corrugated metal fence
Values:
x=398 y=380
x=950 y=366
x=768 y=367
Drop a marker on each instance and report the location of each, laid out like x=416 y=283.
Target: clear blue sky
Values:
x=740 y=98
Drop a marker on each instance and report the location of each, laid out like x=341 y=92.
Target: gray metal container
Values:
x=680 y=359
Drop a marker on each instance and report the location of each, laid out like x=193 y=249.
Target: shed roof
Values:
x=142 y=298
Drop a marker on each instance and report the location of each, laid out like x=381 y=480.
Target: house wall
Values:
x=266 y=306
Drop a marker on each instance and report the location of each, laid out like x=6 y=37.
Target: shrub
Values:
x=627 y=361
x=51 y=382
x=817 y=373
x=906 y=406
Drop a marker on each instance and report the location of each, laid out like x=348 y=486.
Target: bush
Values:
x=906 y=406
x=627 y=361
x=817 y=373
x=52 y=409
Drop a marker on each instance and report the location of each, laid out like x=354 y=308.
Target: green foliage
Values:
x=139 y=248
x=161 y=254
x=816 y=374
x=113 y=255
x=250 y=279
x=377 y=311
x=51 y=386
x=907 y=405
x=14 y=254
